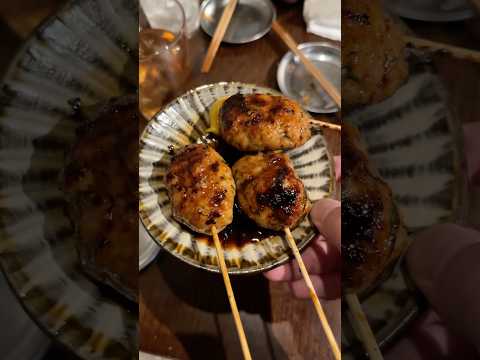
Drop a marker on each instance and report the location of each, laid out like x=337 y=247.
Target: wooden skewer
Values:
x=458 y=52
x=330 y=89
x=231 y=296
x=313 y=295
x=362 y=327
x=218 y=35
x=326 y=124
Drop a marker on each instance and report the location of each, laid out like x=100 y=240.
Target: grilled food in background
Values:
x=269 y=191
x=258 y=122
x=201 y=188
x=101 y=182
x=374 y=62
x=373 y=234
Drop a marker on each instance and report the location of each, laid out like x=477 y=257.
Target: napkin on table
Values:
x=159 y=17
x=323 y=18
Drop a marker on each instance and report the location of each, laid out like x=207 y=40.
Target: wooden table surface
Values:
x=184 y=311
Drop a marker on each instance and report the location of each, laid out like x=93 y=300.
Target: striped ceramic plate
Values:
x=415 y=141
x=82 y=52
x=184 y=121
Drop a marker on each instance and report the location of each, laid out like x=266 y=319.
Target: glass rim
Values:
x=183 y=25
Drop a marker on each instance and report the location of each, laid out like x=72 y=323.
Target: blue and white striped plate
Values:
x=183 y=122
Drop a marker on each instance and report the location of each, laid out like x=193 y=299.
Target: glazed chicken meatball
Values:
x=373 y=235
x=269 y=191
x=260 y=122
x=374 y=64
x=104 y=209
x=201 y=189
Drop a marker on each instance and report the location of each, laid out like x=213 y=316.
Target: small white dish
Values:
x=297 y=83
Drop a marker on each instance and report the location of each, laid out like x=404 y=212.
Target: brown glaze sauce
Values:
x=242 y=230
x=279 y=198
x=361 y=218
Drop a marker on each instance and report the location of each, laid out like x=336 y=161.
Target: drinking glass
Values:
x=163 y=61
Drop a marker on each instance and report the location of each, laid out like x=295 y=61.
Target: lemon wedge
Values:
x=215 y=116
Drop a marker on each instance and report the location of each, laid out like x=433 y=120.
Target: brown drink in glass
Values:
x=163 y=61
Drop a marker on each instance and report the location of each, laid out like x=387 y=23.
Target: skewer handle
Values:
x=330 y=89
x=362 y=326
x=218 y=35
x=231 y=296
x=458 y=52
x=326 y=125
x=313 y=295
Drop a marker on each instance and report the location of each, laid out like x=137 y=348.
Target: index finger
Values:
x=326 y=215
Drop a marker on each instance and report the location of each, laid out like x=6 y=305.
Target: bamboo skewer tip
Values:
x=455 y=51
x=326 y=124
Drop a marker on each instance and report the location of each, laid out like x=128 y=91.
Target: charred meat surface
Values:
x=372 y=232
x=374 y=63
x=269 y=191
x=101 y=182
x=260 y=122
x=201 y=188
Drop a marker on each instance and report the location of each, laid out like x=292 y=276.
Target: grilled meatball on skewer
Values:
x=201 y=188
x=260 y=122
x=103 y=208
x=269 y=191
x=271 y=194
x=373 y=49
x=373 y=236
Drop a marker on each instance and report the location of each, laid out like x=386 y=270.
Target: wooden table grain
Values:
x=184 y=311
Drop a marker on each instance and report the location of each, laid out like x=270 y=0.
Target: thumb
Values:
x=443 y=262
x=326 y=215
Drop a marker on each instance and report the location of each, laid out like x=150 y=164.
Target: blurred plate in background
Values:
x=23 y=340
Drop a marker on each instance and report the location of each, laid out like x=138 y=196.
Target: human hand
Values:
x=322 y=258
x=443 y=262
